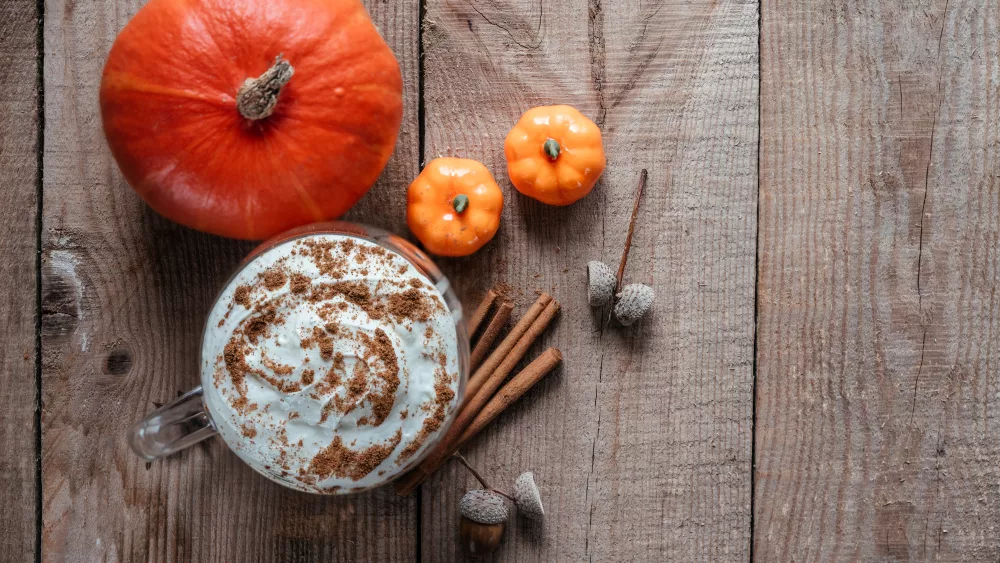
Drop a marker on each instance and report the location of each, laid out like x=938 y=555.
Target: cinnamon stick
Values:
x=475 y=403
x=506 y=345
x=512 y=391
x=506 y=396
x=490 y=333
x=480 y=313
x=471 y=408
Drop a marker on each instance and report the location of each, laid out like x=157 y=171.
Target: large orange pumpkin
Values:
x=244 y=118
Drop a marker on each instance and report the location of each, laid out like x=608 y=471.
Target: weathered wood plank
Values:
x=641 y=442
x=878 y=359
x=18 y=200
x=125 y=296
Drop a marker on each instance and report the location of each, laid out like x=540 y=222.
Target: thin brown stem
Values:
x=472 y=470
x=631 y=229
x=479 y=477
x=506 y=494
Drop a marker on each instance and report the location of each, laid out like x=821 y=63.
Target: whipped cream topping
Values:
x=330 y=364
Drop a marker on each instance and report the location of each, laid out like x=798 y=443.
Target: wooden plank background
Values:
x=878 y=342
x=646 y=430
x=864 y=135
x=19 y=98
x=126 y=293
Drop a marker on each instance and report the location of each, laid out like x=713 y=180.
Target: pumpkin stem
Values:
x=551 y=148
x=460 y=203
x=258 y=96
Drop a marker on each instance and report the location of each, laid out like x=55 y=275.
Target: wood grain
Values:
x=641 y=441
x=125 y=294
x=19 y=130
x=879 y=343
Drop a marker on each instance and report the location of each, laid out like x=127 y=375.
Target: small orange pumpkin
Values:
x=245 y=118
x=554 y=154
x=454 y=206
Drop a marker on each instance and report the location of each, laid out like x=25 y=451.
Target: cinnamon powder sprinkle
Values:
x=242 y=296
x=243 y=406
x=411 y=304
x=356 y=388
x=281 y=384
x=300 y=283
x=323 y=257
x=332 y=378
x=325 y=347
x=258 y=325
x=340 y=461
x=236 y=364
x=274 y=279
x=235 y=358
x=322 y=340
x=279 y=369
x=381 y=348
x=355 y=292
x=443 y=391
x=359 y=382
x=443 y=397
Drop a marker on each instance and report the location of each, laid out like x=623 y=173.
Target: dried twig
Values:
x=471 y=469
x=631 y=229
x=465 y=462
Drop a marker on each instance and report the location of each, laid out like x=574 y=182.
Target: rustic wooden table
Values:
x=819 y=380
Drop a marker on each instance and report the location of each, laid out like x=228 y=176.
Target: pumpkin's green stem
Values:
x=460 y=202
x=551 y=148
x=258 y=96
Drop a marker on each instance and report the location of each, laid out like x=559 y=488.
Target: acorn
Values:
x=633 y=302
x=600 y=283
x=527 y=497
x=484 y=517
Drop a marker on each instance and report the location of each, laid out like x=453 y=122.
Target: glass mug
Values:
x=188 y=420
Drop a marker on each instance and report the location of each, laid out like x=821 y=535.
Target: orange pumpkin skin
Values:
x=169 y=108
x=579 y=154
x=447 y=229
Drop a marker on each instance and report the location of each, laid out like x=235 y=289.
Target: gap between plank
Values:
x=756 y=287
x=421 y=144
x=39 y=160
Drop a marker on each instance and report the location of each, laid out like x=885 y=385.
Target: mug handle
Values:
x=172 y=427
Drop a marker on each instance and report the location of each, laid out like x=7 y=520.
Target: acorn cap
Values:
x=529 y=500
x=600 y=282
x=484 y=507
x=633 y=302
